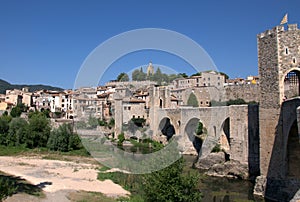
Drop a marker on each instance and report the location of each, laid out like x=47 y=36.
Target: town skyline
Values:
x=47 y=42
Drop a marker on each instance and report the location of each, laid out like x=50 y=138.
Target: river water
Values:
x=217 y=189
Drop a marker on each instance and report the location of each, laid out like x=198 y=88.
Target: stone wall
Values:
x=247 y=92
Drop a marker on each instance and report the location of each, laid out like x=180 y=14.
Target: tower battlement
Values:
x=278 y=29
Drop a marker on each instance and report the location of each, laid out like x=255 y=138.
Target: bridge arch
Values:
x=190 y=132
x=293 y=152
x=225 y=140
x=291 y=83
x=166 y=127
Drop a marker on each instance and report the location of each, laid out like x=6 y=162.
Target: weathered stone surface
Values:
x=260 y=186
x=231 y=169
x=296 y=198
x=210 y=160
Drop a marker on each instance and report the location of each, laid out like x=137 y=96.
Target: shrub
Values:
x=38 y=131
x=63 y=139
x=192 y=101
x=17 y=131
x=217 y=148
x=199 y=129
x=121 y=138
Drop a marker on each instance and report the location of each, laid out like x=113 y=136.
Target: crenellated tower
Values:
x=279 y=70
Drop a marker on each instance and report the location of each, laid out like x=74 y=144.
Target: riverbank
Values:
x=58 y=178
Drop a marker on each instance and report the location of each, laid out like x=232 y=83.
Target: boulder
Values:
x=210 y=160
x=230 y=169
x=260 y=186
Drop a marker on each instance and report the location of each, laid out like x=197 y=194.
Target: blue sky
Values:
x=46 y=42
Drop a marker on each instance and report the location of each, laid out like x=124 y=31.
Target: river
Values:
x=217 y=189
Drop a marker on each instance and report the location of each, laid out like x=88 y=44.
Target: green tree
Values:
x=199 y=129
x=238 y=101
x=170 y=184
x=139 y=75
x=16 y=111
x=196 y=74
x=121 y=139
x=225 y=75
x=38 y=131
x=183 y=75
x=4 y=127
x=172 y=77
x=192 y=101
x=63 y=139
x=123 y=77
x=17 y=131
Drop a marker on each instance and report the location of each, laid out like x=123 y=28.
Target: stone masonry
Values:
x=278 y=54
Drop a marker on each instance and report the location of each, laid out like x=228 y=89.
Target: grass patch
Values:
x=82 y=196
x=130 y=182
x=12 y=151
x=104 y=168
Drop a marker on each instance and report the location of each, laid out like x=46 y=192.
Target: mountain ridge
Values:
x=4 y=85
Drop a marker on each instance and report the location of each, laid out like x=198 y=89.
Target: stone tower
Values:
x=278 y=62
x=160 y=97
x=150 y=69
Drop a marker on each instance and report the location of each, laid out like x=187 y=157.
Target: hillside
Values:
x=4 y=85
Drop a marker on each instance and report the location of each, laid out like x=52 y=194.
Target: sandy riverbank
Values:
x=59 y=176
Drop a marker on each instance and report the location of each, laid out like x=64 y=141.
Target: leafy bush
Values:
x=138 y=121
x=217 y=148
x=16 y=111
x=102 y=123
x=38 y=131
x=121 y=138
x=199 y=129
x=169 y=184
x=63 y=139
x=7 y=187
x=17 y=131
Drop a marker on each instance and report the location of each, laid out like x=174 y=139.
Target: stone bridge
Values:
x=235 y=127
x=281 y=171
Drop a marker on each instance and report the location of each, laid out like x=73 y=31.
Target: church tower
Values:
x=150 y=69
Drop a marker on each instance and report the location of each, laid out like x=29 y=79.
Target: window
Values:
x=218 y=78
x=62 y=100
x=62 y=105
x=125 y=108
x=286 y=51
x=129 y=108
x=218 y=83
x=209 y=78
x=294 y=60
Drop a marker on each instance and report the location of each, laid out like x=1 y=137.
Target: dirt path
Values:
x=61 y=177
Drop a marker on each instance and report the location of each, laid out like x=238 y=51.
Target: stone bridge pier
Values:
x=235 y=126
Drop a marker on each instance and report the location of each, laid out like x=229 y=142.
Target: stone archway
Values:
x=190 y=133
x=166 y=127
x=225 y=135
x=293 y=152
x=291 y=83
